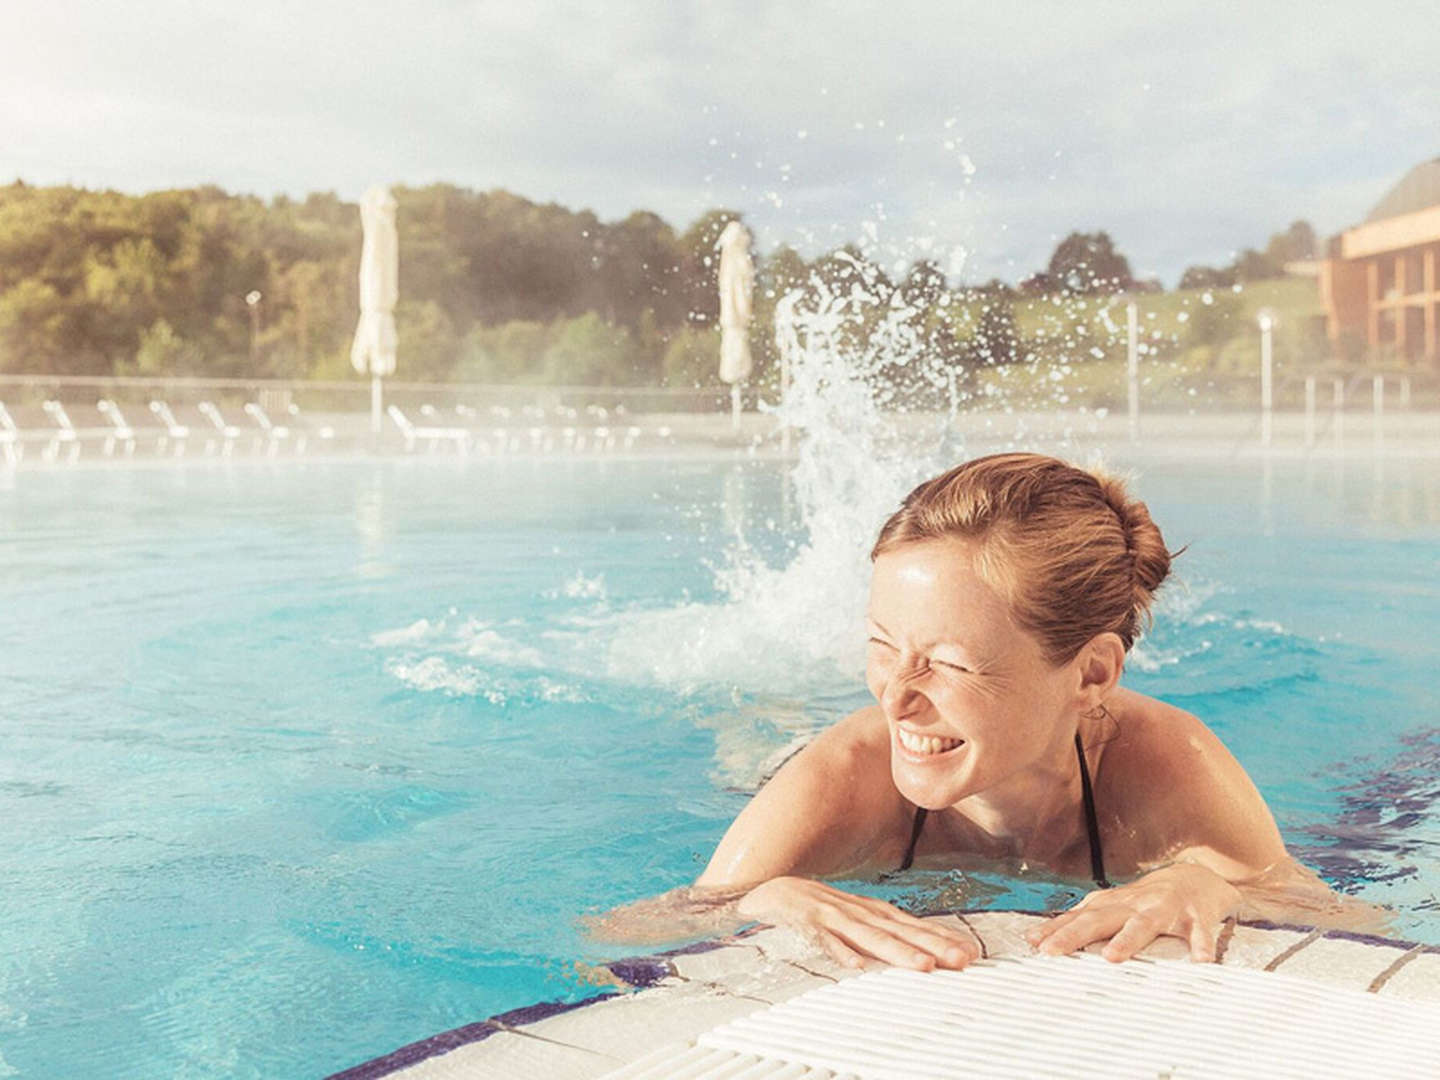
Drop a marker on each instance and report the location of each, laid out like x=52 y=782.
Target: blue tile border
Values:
x=446 y=1041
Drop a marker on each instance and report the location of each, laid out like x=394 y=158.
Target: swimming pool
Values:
x=299 y=764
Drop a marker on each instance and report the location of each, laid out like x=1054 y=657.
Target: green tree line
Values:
x=494 y=288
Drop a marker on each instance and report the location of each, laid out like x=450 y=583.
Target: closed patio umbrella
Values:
x=737 y=282
x=373 y=350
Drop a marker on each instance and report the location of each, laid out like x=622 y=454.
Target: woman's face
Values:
x=969 y=698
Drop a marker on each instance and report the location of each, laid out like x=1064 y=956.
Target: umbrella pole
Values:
x=735 y=406
x=374 y=404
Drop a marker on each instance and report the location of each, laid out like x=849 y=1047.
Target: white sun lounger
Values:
x=64 y=433
x=10 y=437
x=303 y=428
x=175 y=432
x=413 y=433
x=274 y=433
x=227 y=433
x=123 y=432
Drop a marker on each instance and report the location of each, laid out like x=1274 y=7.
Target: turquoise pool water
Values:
x=299 y=764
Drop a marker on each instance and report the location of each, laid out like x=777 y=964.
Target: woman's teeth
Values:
x=925 y=744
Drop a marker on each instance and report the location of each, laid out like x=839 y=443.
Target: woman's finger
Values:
x=1036 y=934
x=1094 y=925
x=1138 y=932
x=840 y=952
x=872 y=940
x=1202 y=942
x=942 y=941
x=949 y=946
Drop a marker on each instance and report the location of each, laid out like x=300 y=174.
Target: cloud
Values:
x=1186 y=129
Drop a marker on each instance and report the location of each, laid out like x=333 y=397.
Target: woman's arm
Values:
x=825 y=813
x=829 y=811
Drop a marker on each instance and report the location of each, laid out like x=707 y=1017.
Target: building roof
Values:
x=1418 y=189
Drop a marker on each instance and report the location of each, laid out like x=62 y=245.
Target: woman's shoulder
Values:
x=1145 y=746
x=1141 y=731
x=852 y=755
x=827 y=810
x=1166 y=777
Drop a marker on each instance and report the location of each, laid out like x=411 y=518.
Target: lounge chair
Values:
x=123 y=432
x=228 y=433
x=274 y=433
x=175 y=432
x=415 y=432
x=10 y=437
x=304 y=429
x=64 y=433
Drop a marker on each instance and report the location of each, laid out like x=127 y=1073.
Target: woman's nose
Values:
x=900 y=692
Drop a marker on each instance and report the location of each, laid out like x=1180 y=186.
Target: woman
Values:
x=1005 y=596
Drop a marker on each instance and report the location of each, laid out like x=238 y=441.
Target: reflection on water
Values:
x=370 y=524
x=1388 y=492
x=1388 y=827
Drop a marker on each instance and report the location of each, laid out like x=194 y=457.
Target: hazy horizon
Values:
x=1187 y=131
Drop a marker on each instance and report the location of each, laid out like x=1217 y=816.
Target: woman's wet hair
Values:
x=1068 y=548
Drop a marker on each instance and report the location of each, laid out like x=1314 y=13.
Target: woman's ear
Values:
x=1099 y=665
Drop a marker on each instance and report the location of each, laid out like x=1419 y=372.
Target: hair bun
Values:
x=1142 y=539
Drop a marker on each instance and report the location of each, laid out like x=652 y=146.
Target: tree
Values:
x=1088 y=263
x=588 y=350
x=1207 y=277
x=509 y=353
x=427 y=347
x=1252 y=265
x=924 y=284
x=639 y=270
x=702 y=265
x=1295 y=243
x=995 y=340
x=691 y=358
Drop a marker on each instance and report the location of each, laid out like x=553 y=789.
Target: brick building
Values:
x=1380 y=282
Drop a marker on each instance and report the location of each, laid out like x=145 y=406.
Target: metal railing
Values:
x=276 y=395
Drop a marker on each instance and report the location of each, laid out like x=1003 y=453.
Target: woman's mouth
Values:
x=925 y=746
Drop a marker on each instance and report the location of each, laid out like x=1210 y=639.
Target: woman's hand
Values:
x=1184 y=900
x=852 y=928
x=688 y=912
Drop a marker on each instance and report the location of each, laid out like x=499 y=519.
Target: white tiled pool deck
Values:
x=664 y=1010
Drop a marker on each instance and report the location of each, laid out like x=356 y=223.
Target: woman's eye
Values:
x=882 y=644
x=953 y=667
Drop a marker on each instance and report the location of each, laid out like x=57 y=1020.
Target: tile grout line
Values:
x=555 y=1042
x=1400 y=961
x=1307 y=940
x=1222 y=943
x=984 y=951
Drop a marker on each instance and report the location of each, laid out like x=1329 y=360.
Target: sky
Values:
x=977 y=134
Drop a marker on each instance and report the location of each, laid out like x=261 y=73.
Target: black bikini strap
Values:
x=1097 y=856
x=914 y=837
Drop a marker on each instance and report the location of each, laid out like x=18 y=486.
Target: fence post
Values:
x=1377 y=390
x=1309 y=411
x=1338 y=400
x=1132 y=367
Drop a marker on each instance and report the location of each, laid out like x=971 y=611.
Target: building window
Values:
x=1414 y=272
x=1386 y=266
x=1387 y=326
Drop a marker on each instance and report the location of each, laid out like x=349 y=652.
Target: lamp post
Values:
x=1267 y=378
x=252 y=301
